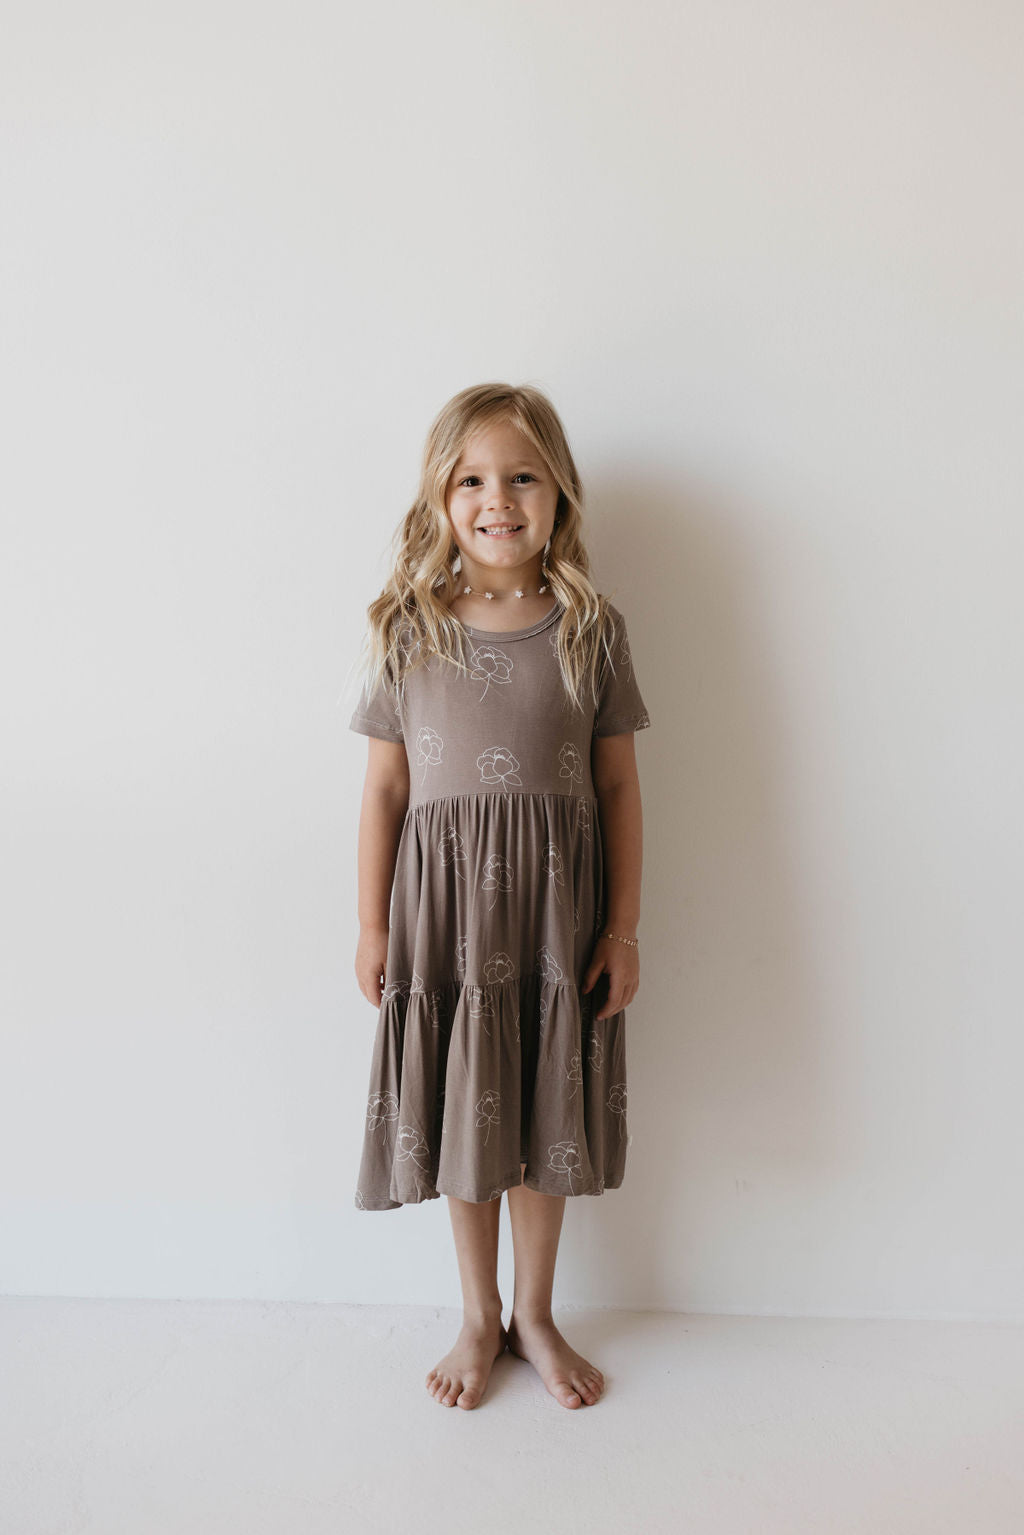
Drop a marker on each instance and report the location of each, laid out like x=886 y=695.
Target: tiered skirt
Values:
x=487 y=1053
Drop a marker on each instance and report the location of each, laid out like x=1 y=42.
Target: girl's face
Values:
x=501 y=479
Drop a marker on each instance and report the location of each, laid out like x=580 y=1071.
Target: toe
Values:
x=568 y=1395
x=470 y=1396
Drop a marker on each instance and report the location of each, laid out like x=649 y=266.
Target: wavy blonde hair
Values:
x=411 y=619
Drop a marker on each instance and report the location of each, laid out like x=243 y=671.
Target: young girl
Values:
x=500 y=849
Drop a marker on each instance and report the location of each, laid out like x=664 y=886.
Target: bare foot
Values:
x=571 y=1379
x=460 y=1378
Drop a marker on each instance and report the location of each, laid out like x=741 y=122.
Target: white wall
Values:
x=766 y=260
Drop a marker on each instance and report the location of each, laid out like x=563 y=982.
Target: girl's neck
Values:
x=503 y=613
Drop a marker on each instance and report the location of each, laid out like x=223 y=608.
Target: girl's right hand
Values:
x=371 y=962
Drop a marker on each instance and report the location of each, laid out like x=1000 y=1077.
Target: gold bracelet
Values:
x=633 y=942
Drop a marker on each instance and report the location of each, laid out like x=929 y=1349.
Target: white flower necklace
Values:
x=490 y=595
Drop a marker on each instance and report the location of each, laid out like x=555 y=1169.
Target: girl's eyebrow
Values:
x=472 y=468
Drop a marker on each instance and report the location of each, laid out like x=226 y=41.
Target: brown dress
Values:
x=487 y=1051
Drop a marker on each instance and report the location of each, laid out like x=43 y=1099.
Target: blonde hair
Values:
x=411 y=620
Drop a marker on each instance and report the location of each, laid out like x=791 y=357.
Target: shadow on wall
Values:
x=721 y=1036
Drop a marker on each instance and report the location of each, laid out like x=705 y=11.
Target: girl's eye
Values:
x=523 y=475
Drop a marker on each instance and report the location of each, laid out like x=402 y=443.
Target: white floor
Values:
x=202 y=1418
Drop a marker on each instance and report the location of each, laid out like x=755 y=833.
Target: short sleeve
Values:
x=378 y=714
x=620 y=708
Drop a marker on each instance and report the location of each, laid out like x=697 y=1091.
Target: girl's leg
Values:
x=532 y=1334
x=461 y=1376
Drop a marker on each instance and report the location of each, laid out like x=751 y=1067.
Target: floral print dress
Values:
x=487 y=1053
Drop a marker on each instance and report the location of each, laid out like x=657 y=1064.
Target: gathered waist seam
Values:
x=439 y=799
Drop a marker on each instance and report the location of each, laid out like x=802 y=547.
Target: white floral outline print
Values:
x=489 y=1111
x=498 y=765
x=412 y=1146
x=575 y=1072
x=498 y=875
x=548 y=966
x=381 y=1108
x=500 y=967
x=583 y=815
x=552 y=866
x=564 y=1157
x=625 y=654
x=452 y=848
x=480 y=1006
x=490 y=665
x=617 y=1104
x=430 y=747
x=404 y=644
x=595 y=1056
x=360 y=1201
x=570 y=763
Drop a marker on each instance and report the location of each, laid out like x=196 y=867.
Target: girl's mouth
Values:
x=500 y=532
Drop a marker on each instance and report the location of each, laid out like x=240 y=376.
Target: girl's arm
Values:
x=384 y=805
x=617 y=787
x=613 y=764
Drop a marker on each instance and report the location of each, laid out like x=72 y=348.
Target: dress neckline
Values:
x=514 y=634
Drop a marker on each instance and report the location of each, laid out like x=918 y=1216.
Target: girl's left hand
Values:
x=622 y=963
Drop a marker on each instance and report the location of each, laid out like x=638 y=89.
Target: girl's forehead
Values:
x=504 y=441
